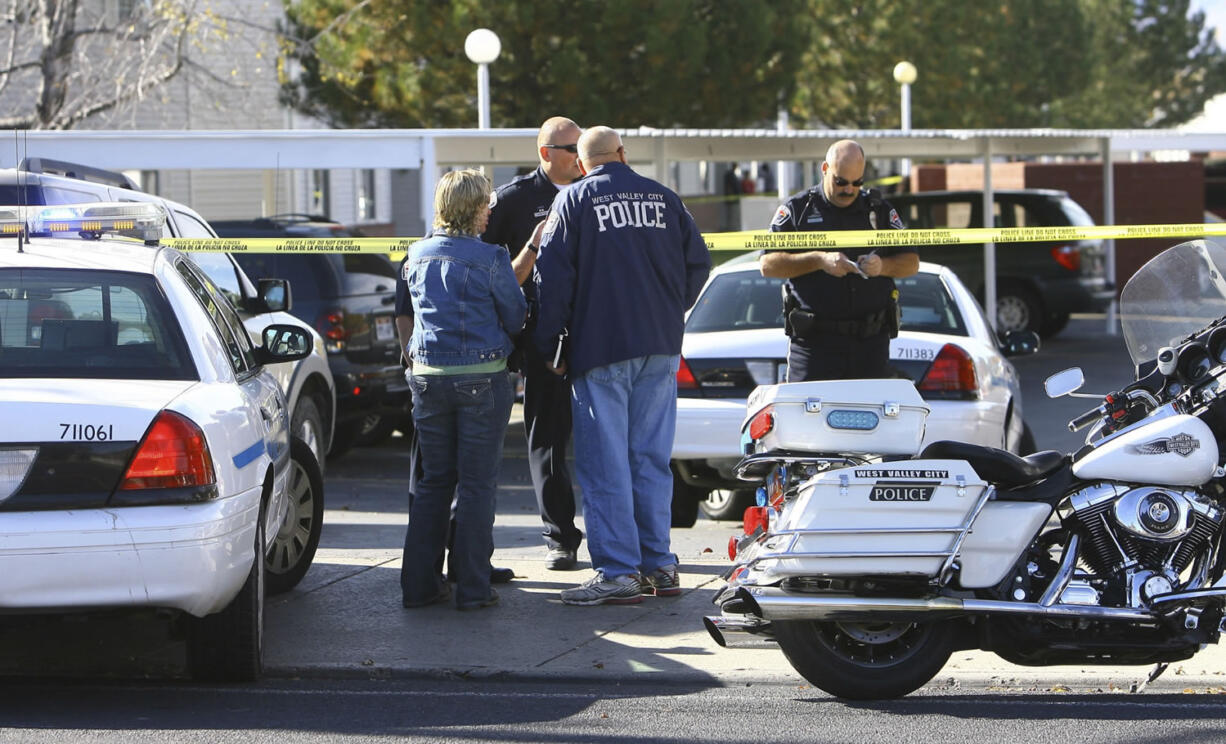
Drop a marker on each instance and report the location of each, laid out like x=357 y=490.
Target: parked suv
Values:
x=350 y=299
x=306 y=383
x=1037 y=284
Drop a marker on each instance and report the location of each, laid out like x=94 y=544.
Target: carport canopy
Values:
x=652 y=151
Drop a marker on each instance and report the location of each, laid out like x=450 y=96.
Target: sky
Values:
x=1215 y=16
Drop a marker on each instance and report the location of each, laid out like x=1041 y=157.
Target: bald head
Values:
x=599 y=145
x=557 y=128
x=845 y=152
x=561 y=165
x=843 y=173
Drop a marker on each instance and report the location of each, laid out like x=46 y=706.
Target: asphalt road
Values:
x=290 y=712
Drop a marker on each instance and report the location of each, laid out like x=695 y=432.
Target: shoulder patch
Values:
x=782 y=215
x=895 y=220
x=493 y=199
x=551 y=224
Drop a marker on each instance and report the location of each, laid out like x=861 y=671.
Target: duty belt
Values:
x=808 y=326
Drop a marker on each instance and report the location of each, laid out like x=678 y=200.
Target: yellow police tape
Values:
x=750 y=240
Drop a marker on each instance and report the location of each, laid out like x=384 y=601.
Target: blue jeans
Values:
x=624 y=415
x=461 y=421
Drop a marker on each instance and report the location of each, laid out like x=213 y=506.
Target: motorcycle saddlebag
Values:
x=879 y=417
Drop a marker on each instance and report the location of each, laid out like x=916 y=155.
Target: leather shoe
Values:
x=560 y=559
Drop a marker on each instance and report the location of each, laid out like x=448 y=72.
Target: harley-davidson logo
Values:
x=902 y=491
x=1182 y=444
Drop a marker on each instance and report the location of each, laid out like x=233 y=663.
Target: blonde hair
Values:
x=459 y=199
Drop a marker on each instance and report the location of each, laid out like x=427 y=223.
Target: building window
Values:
x=320 y=190
x=366 y=195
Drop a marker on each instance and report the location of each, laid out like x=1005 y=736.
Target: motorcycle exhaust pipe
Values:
x=773 y=603
x=719 y=626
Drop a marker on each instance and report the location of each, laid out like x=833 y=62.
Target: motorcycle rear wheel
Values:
x=866 y=661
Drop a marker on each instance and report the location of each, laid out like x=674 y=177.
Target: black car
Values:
x=350 y=299
x=1037 y=284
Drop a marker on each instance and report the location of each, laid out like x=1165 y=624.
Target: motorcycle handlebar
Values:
x=1086 y=419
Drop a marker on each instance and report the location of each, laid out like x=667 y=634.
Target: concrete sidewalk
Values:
x=345 y=619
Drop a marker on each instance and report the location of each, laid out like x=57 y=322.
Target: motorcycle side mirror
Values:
x=1065 y=382
x=1020 y=343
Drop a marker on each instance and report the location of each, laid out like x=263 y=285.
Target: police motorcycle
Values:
x=870 y=570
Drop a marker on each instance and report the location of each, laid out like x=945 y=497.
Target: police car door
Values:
x=266 y=406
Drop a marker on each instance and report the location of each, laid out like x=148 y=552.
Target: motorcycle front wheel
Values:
x=866 y=661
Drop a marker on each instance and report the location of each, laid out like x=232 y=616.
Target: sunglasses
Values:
x=573 y=149
x=840 y=181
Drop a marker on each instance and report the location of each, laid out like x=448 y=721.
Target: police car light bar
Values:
x=140 y=219
x=12 y=222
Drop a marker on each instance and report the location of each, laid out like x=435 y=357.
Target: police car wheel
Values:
x=293 y=547
x=307 y=425
x=228 y=646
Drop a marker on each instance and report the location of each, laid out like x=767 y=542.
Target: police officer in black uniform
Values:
x=516 y=209
x=841 y=307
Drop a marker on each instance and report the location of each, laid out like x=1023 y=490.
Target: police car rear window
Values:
x=745 y=300
x=88 y=324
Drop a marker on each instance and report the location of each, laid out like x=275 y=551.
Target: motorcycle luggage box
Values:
x=879 y=417
x=900 y=518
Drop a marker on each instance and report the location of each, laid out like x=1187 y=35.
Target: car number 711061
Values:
x=87 y=432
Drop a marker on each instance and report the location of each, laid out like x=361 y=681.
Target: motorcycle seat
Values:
x=998 y=466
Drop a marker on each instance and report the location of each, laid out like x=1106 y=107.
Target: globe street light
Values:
x=904 y=74
x=482 y=47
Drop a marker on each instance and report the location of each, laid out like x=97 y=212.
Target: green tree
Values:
x=1009 y=63
x=662 y=63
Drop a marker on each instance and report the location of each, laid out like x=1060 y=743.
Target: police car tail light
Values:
x=762 y=423
x=331 y=325
x=173 y=454
x=685 y=377
x=1068 y=256
x=953 y=371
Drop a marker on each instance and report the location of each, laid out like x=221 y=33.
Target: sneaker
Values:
x=489 y=601
x=599 y=590
x=560 y=559
x=662 y=582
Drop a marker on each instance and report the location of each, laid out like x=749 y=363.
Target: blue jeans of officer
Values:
x=461 y=421
x=624 y=416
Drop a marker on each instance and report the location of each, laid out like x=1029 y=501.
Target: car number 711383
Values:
x=87 y=432
x=922 y=353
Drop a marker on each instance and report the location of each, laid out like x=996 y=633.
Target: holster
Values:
x=808 y=327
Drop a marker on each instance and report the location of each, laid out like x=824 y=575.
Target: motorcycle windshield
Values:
x=1177 y=293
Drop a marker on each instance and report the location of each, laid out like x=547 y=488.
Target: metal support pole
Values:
x=989 y=249
x=1109 y=219
x=483 y=96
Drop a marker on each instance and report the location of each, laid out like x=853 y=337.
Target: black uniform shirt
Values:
x=852 y=296
x=515 y=209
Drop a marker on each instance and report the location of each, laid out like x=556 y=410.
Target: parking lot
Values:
x=345 y=618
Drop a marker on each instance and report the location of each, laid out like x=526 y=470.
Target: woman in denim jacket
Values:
x=467 y=306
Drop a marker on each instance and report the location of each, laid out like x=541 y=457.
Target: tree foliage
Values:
x=663 y=63
x=710 y=63
x=64 y=61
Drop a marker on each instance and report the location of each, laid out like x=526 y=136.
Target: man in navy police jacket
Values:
x=621 y=260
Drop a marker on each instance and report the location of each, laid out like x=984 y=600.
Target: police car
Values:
x=734 y=341
x=144 y=449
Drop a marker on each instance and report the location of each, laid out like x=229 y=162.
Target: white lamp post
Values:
x=482 y=47
x=904 y=74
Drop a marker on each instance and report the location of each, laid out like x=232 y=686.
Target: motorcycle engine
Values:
x=1158 y=529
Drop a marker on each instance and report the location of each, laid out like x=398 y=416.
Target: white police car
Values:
x=734 y=341
x=144 y=450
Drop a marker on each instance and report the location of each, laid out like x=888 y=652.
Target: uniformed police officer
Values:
x=515 y=210
x=841 y=308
